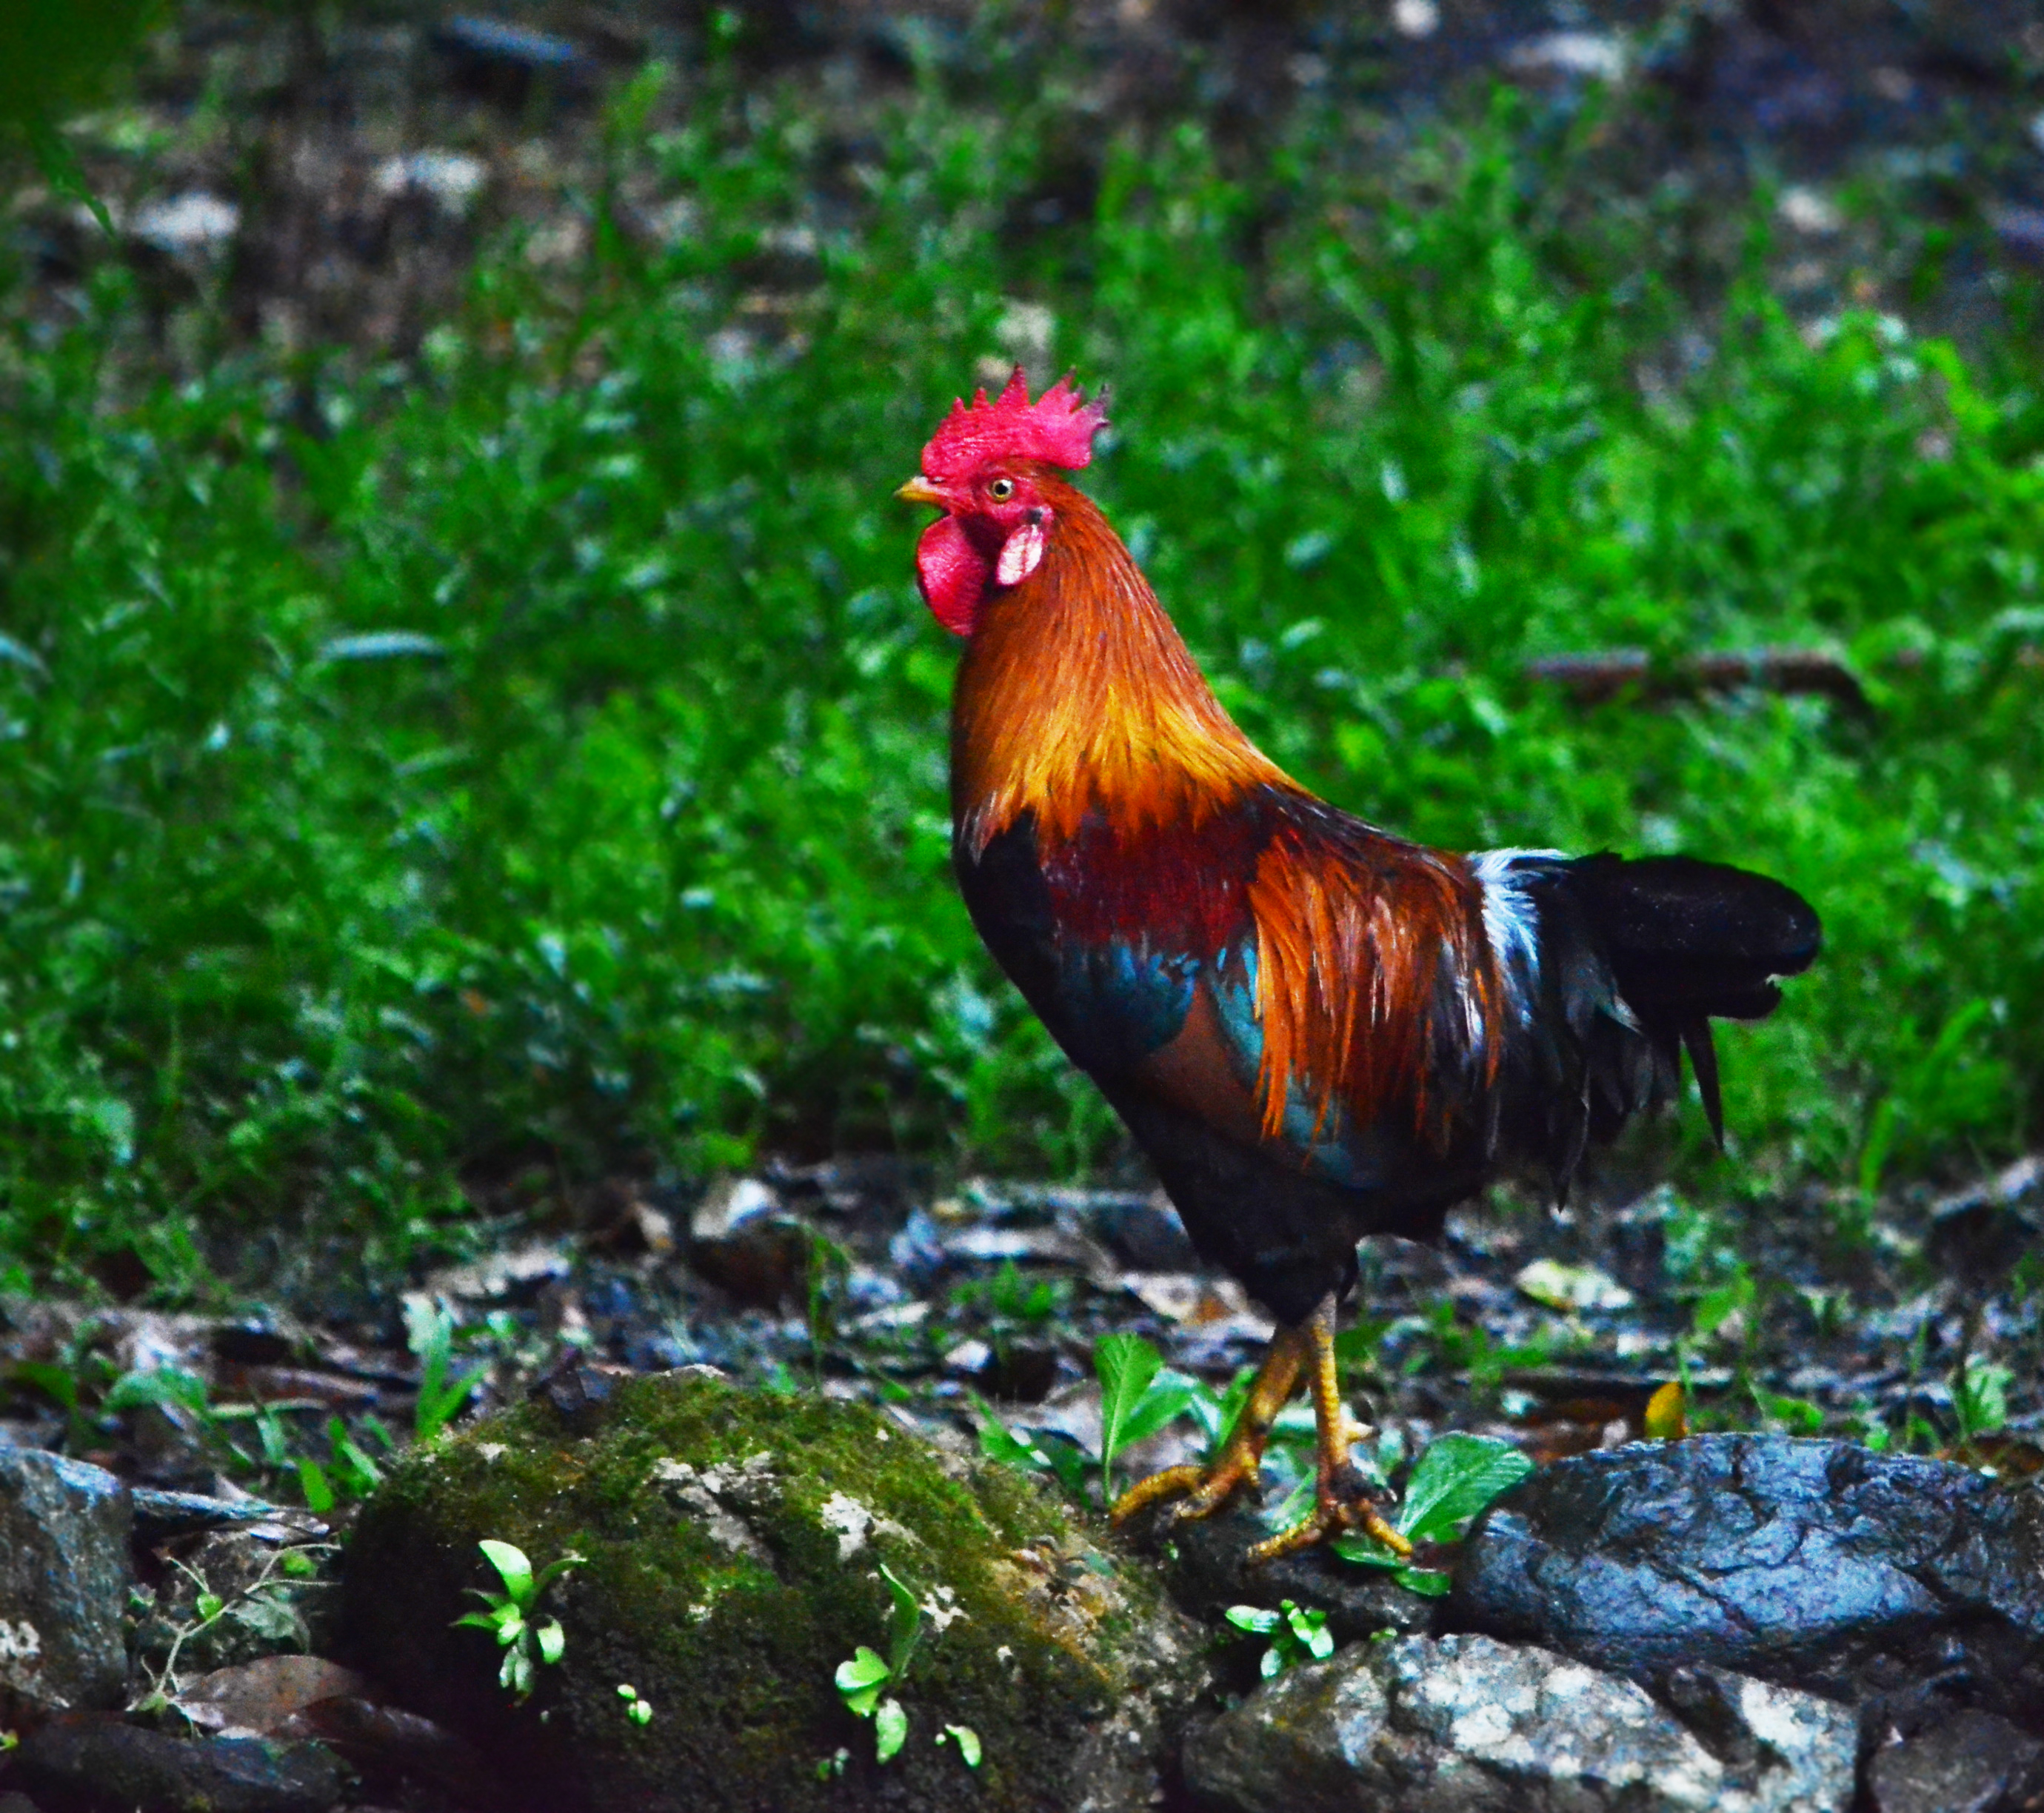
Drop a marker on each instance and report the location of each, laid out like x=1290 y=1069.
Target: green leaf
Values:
x=209 y=1606
x=552 y=1640
x=511 y=1568
x=61 y=169
x=1273 y=1663
x=1457 y=1476
x=1126 y=1364
x=998 y=1443
x=1168 y=1397
x=1982 y=1397
x=861 y=1679
x=1796 y=1414
x=890 y=1730
x=1429 y=1582
x=1366 y=1551
x=156 y=1385
x=314 y=1483
x=55 y=1382
x=968 y=1743
x=904 y=1626
x=1309 y=1626
x=1253 y=1619
x=552 y=1572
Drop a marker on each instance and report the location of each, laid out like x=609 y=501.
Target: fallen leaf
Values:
x=256 y=1697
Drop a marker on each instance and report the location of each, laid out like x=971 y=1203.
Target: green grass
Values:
x=540 y=763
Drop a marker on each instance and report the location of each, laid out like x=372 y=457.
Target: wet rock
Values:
x=1970 y=1762
x=741 y=1239
x=64 y=1575
x=1207 y=1569
x=1816 y=1564
x=732 y=1545
x=1467 y=1725
x=93 y=1764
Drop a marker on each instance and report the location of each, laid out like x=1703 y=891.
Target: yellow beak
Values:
x=920 y=490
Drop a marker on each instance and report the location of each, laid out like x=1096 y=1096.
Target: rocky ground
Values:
x=1740 y=1618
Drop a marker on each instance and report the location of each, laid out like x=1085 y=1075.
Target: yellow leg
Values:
x=1206 y=1490
x=1341 y=1498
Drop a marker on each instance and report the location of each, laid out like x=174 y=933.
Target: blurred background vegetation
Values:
x=468 y=727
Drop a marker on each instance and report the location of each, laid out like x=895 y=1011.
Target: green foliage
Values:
x=539 y=746
x=508 y=1614
x=862 y=1680
x=1980 y=1398
x=1137 y=1397
x=639 y=1710
x=1296 y=1635
x=429 y=1333
x=1452 y=1482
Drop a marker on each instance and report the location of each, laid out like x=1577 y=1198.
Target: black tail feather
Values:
x=1689 y=942
x=1703 y=1060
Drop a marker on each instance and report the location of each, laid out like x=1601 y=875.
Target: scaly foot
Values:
x=1240 y=1462
x=1342 y=1498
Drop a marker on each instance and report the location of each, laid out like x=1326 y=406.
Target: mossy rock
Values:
x=732 y=1543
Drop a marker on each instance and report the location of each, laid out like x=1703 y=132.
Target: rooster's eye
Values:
x=1001 y=489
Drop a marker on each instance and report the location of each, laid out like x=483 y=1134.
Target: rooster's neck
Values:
x=1076 y=691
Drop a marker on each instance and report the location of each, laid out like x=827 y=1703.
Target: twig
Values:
x=1595 y=679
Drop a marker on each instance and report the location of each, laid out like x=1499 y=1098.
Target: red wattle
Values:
x=953 y=575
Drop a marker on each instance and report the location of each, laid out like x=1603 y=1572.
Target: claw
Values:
x=1330 y=1517
x=1241 y=1461
x=1342 y=1498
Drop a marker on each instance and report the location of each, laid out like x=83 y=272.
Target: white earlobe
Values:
x=1021 y=554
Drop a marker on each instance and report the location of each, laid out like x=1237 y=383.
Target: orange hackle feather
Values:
x=1077 y=702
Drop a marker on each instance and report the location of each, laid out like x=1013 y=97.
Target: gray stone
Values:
x=1969 y=1762
x=65 y=1575
x=1816 y=1564
x=1468 y=1725
x=90 y=1763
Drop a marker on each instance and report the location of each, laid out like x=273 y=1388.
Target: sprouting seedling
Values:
x=429 y=1333
x=1456 y=1478
x=1297 y=1633
x=509 y=1614
x=967 y=1740
x=1137 y=1397
x=640 y=1712
x=866 y=1677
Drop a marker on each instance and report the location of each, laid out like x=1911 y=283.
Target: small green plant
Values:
x=1980 y=1398
x=268 y=1605
x=866 y=1676
x=429 y=1333
x=967 y=1740
x=640 y=1712
x=348 y=1474
x=1791 y=1415
x=1138 y=1397
x=828 y=1266
x=509 y=1614
x=1034 y=1452
x=1297 y=1634
x=1452 y=1481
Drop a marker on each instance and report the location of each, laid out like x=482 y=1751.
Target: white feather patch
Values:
x=1021 y=554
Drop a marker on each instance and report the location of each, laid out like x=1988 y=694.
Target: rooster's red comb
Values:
x=1057 y=428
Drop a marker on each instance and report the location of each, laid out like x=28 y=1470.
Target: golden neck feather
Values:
x=1076 y=691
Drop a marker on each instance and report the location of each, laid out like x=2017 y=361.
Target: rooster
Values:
x=1315 y=1030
